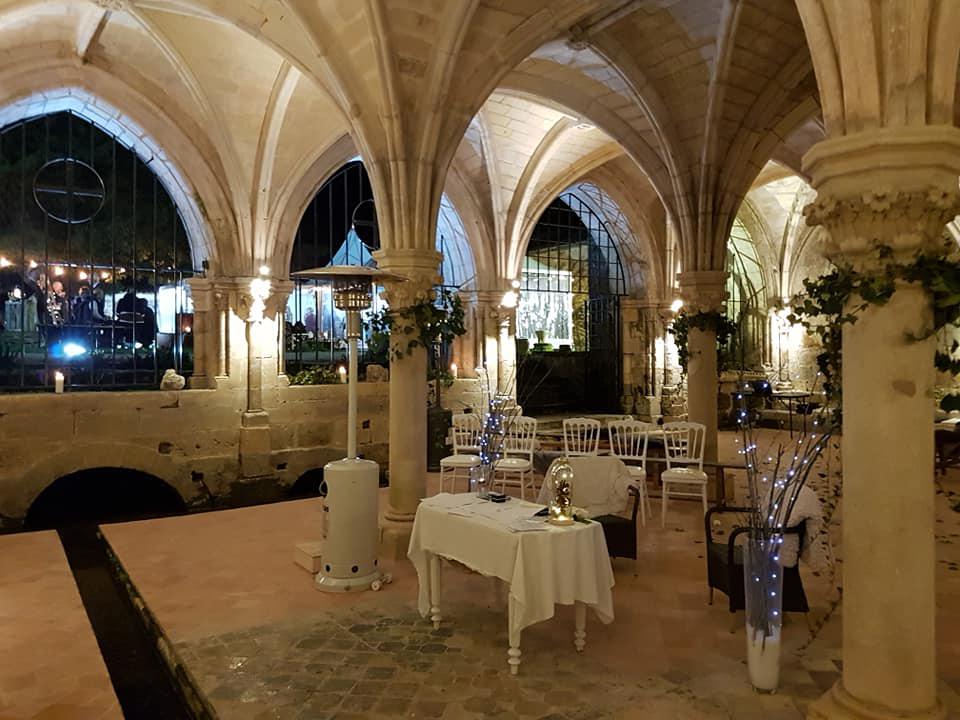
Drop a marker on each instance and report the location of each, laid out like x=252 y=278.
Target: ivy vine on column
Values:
x=840 y=297
x=713 y=320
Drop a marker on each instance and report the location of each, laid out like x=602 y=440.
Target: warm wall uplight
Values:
x=82 y=275
x=58 y=271
x=453 y=371
x=515 y=284
x=510 y=299
x=264 y=270
x=4 y=262
x=676 y=305
x=33 y=264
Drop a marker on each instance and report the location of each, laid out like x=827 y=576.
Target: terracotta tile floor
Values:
x=50 y=665
x=262 y=643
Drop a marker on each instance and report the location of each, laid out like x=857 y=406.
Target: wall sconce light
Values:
x=676 y=305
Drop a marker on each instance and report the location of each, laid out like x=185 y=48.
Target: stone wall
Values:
x=189 y=439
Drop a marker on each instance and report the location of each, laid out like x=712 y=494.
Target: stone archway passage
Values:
x=90 y=497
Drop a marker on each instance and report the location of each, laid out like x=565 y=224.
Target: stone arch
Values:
x=298 y=193
x=641 y=282
x=103 y=493
x=142 y=125
x=43 y=473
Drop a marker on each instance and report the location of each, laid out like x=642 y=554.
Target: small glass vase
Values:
x=763 y=594
x=481 y=479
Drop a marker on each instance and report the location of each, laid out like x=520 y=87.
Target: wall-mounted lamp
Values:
x=676 y=305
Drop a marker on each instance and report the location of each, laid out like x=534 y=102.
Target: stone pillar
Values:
x=408 y=396
x=703 y=291
x=202 y=299
x=221 y=303
x=255 y=445
x=895 y=188
x=507 y=350
x=641 y=327
x=277 y=309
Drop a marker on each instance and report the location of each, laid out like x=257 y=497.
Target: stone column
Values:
x=255 y=445
x=641 y=326
x=202 y=299
x=898 y=189
x=277 y=310
x=408 y=396
x=221 y=303
x=703 y=291
x=507 y=350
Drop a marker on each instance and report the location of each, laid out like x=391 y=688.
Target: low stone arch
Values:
x=24 y=490
x=36 y=89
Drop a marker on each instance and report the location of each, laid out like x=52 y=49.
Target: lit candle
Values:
x=453 y=370
x=58 y=382
x=343 y=374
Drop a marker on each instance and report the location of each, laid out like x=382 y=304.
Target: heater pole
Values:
x=353 y=333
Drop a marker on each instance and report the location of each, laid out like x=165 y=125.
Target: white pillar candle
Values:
x=343 y=374
x=58 y=382
x=453 y=370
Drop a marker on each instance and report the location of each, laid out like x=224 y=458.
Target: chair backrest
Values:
x=683 y=443
x=521 y=436
x=581 y=436
x=628 y=439
x=466 y=432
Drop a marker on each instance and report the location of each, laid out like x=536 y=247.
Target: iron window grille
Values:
x=93 y=258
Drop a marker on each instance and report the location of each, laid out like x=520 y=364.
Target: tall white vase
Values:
x=763 y=592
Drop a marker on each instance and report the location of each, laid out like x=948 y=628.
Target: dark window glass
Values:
x=93 y=258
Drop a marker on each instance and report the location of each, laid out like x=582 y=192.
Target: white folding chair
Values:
x=581 y=436
x=517 y=460
x=683 y=445
x=466 y=449
x=628 y=441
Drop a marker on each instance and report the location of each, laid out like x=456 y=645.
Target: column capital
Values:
x=895 y=187
x=418 y=265
x=703 y=290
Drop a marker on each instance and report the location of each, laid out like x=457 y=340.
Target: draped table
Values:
x=567 y=565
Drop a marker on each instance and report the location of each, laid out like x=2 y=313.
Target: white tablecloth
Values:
x=559 y=565
x=600 y=485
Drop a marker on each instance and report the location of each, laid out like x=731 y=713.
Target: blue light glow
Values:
x=72 y=349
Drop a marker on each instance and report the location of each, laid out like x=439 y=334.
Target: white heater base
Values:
x=373 y=581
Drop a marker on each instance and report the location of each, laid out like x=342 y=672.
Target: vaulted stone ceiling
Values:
x=504 y=104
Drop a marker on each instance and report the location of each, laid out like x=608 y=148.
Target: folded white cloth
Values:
x=600 y=484
x=806 y=508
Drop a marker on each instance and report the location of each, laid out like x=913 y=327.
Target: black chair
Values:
x=621 y=532
x=725 y=566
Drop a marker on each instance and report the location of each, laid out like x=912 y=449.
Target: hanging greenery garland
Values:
x=424 y=324
x=839 y=297
x=724 y=327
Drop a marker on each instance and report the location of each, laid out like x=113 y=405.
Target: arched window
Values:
x=339 y=227
x=570 y=260
x=93 y=255
x=570 y=286
x=746 y=301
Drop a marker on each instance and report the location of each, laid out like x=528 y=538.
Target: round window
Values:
x=69 y=191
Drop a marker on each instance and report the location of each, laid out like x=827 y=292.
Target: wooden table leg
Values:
x=580 y=626
x=513 y=654
x=434 y=564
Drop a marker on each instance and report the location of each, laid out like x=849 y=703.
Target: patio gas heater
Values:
x=348 y=560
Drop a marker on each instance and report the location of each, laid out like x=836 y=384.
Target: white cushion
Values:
x=513 y=463
x=636 y=471
x=690 y=475
x=460 y=461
